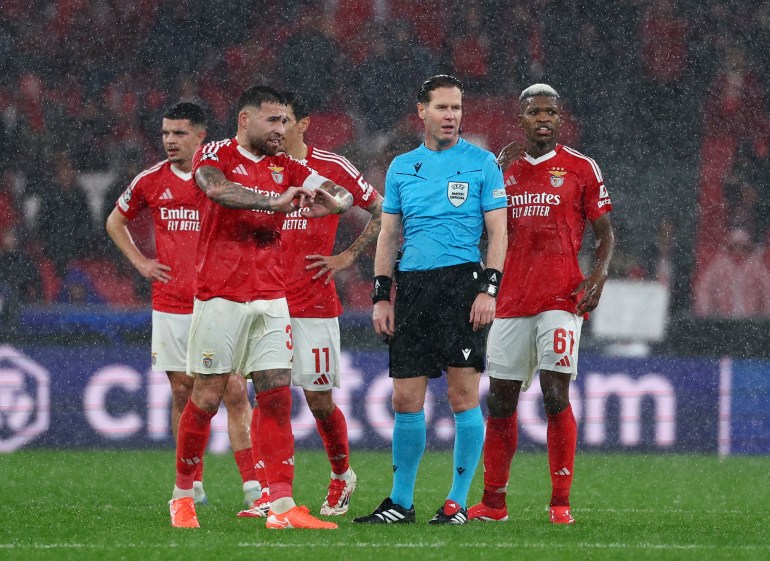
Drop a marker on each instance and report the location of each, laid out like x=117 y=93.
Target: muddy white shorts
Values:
x=242 y=337
x=517 y=347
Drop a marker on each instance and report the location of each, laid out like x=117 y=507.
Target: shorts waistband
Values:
x=442 y=270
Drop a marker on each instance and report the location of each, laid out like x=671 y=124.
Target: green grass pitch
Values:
x=58 y=505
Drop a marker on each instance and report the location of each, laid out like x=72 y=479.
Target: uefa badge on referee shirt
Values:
x=457 y=192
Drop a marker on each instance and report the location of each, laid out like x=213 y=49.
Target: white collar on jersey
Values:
x=248 y=154
x=543 y=158
x=180 y=174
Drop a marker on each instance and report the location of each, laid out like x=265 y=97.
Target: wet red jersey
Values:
x=172 y=198
x=549 y=201
x=238 y=253
x=315 y=236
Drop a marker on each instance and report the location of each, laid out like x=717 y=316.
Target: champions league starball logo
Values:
x=24 y=399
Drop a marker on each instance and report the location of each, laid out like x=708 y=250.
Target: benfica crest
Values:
x=277 y=173
x=457 y=192
x=208 y=359
x=557 y=177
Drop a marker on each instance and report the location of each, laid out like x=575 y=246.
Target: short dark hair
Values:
x=189 y=111
x=255 y=96
x=298 y=105
x=435 y=82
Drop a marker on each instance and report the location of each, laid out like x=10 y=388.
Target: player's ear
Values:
x=243 y=119
x=304 y=124
x=421 y=110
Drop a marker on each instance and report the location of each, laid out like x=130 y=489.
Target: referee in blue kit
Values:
x=440 y=196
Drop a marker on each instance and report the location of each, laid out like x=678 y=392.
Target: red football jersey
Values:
x=301 y=237
x=238 y=254
x=172 y=197
x=549 y=201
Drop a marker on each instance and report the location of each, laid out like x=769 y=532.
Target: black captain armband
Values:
x=381 y=290
x=490 y=282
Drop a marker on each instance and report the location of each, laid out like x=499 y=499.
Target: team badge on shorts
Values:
x=557 y=177
x=208 y=359
x=154 y=358
x=277 y=173
x=457 y=192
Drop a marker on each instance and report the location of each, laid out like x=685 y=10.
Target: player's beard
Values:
x=267 y=149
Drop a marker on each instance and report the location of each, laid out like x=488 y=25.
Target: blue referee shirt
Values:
x=442 y=198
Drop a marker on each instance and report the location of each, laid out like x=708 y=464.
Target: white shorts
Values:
x=316 y=364
x=242 y=337
x=169 y=341
x=517 y=347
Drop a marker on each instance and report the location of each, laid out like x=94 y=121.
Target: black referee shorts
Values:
x=432 y=322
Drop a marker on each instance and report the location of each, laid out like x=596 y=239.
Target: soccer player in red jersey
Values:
x=167 y=191
x=240 y=315
x=552 y=192
x=309 y=269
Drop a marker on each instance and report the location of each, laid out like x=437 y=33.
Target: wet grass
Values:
x=112 y=505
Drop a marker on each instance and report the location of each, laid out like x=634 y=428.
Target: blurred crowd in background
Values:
x=667 y=95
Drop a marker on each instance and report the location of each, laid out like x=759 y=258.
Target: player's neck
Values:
x=184 y=167
x=536 y=150
x=298 y=152
x=246 y=145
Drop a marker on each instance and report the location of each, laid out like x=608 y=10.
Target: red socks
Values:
x=499 y=447
x=334 y=433
x=276 y=440
x=193 y=435
x=245 y=463
x=256 y=454
x=562 y=443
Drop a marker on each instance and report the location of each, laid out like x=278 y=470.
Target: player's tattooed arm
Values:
x=228 y=193
x=332 y=264
x=342 y=195
x=371 y=231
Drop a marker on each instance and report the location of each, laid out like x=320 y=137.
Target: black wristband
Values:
x=490 y=281
x=381 y=290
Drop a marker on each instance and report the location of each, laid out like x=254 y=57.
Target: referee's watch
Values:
x=490 y=282
x=490 y=289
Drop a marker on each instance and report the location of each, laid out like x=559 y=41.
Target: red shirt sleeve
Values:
x=133 y=200
x=596 y=199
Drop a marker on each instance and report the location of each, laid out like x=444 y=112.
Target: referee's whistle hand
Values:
x=482 y=311
x=382 y=318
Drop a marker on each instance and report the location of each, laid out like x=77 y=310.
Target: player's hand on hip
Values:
x=382 y=318
x=510 y=154
x=591 y=287
x=482 y=311
x=329 y=265
x=155 y=271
